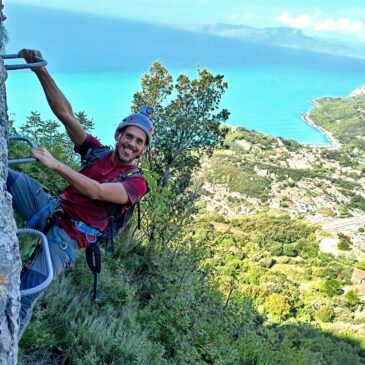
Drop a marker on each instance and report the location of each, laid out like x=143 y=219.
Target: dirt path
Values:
x=329 y=245
x=347 y=223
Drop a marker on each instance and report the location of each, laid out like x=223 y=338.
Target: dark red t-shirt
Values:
x=78 y=206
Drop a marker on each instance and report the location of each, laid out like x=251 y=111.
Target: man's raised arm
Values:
x=56 y=99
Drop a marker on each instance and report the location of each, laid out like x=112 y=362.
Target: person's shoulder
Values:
x=132 y=170
x=135 y=184
x=90 y=142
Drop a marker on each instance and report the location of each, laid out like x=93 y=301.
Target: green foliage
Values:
x=184 y=291
x=254 y=138
x=284 y=202
x=107 y=332
x=187 y=121
x=234 y=135
x=331 y=287
x=344 y=119
x=357 y=202
x=283 y=174
x=46 y=133
x=313 y=347
x=273 y=230
x=344 y=212
x=333 y=269
x=241 y=179
x=345 y=243
x=353 y=298
x=360 y=265
x=290 y=144
x=347 y=185
x=277 y=305
x=337 y=155
x=325 y=313
x=39 y=336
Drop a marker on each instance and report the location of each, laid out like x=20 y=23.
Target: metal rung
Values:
x=40 y=62
x=22 y=160
x=49 y=277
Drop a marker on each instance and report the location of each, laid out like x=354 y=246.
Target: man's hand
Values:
x=30 y=56
x=44 y=157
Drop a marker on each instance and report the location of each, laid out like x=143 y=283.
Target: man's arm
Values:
x=56 y=99
x=110 y=192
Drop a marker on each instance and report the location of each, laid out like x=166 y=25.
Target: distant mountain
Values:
x=79 y=42
x=284 y=36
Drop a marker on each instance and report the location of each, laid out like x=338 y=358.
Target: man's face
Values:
x=131 y=143
x=3 y=32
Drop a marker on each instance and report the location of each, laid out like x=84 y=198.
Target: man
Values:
x=85 y=201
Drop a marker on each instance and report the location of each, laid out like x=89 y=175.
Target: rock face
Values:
x=10 y=263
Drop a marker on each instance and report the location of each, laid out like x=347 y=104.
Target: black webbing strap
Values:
x=93 y=259
x=139 y=216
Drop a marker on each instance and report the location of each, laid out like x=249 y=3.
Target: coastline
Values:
x=334 y=143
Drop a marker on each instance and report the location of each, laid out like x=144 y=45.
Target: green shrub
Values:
x=325 y=313
x=278 y=306
x=357 y=202
x=290 y=250
x=344 y=244
x=330 y=287
x=360 y=265
x=353 y=298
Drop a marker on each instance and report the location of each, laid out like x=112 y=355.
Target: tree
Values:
x=187 y=122
x=345 y=243
x=277 y=305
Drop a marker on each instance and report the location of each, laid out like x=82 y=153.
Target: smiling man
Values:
x=85 y=203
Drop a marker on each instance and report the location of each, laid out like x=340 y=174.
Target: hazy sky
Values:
x=327 y=18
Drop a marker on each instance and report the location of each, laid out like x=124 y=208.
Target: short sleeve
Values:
x=90 y=142
x=136 y=188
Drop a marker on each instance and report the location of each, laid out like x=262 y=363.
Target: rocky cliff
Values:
x=10 y=263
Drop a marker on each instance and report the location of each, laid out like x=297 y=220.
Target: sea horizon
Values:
x=267 y=99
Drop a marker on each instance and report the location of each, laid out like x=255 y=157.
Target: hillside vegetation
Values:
x=227 y=268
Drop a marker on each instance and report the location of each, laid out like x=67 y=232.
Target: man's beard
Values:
x=3 y=37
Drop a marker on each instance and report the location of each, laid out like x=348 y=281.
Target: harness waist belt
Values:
x=90 y=233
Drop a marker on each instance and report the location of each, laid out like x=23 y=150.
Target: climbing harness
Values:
x=40 y=63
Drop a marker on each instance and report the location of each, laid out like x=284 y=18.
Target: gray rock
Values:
x=10 y=263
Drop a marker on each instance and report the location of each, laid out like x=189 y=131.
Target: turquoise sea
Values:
x=269 y=99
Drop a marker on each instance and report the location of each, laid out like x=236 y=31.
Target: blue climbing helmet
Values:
x=141 y=120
